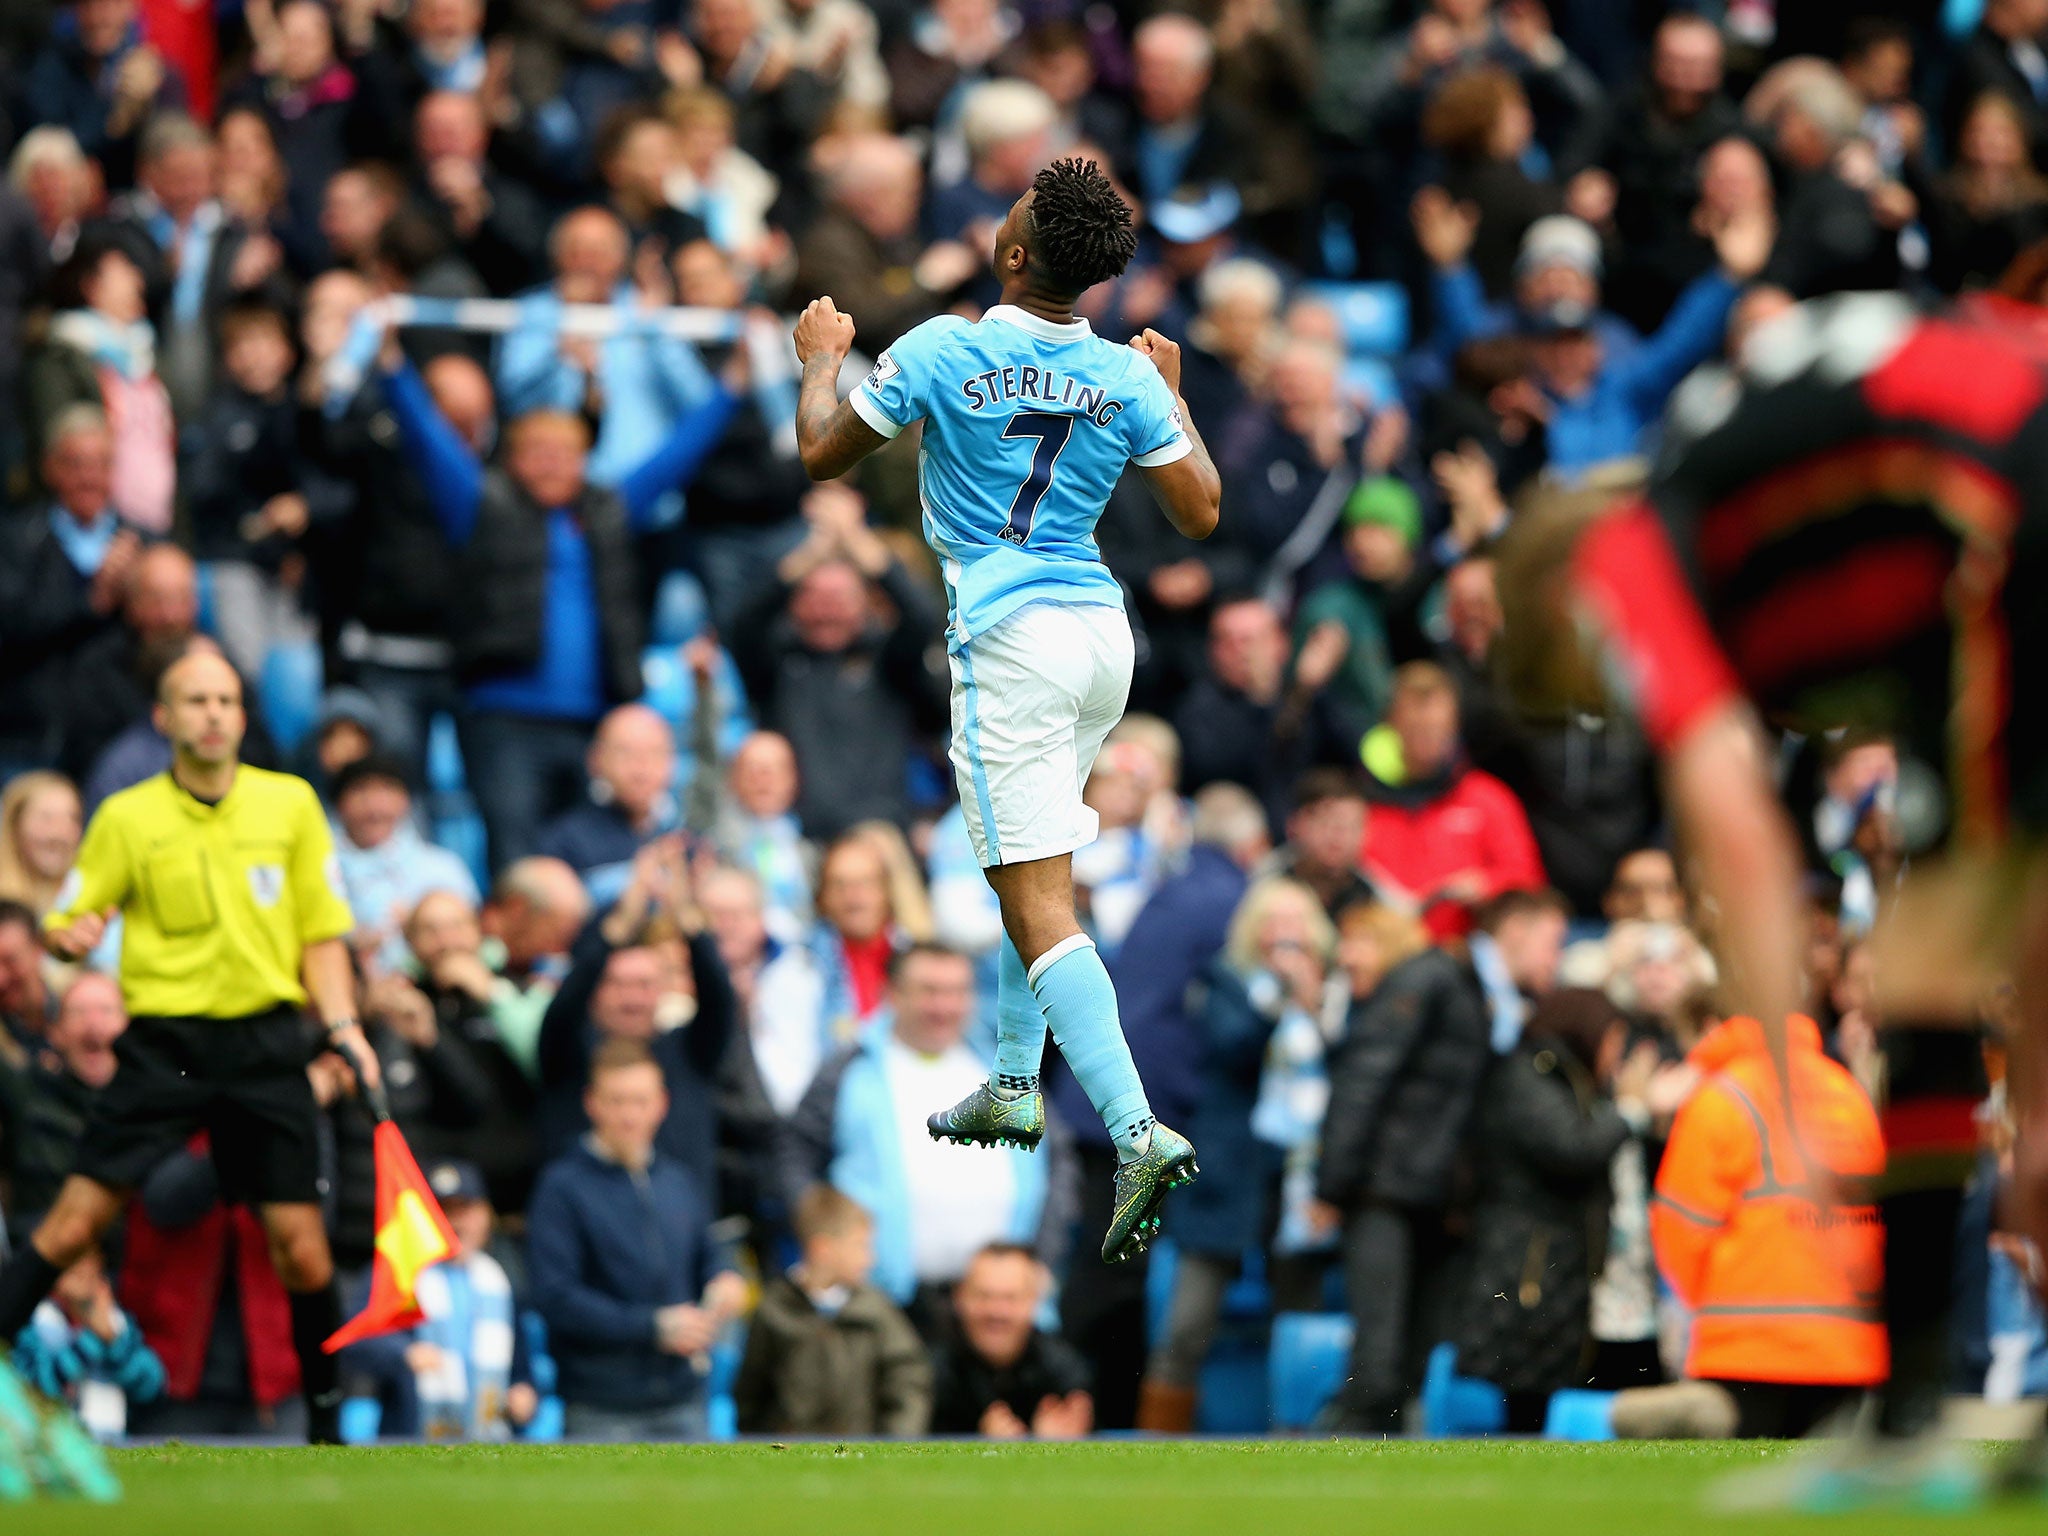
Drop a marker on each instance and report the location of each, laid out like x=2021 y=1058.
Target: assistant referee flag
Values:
x=412 y=1235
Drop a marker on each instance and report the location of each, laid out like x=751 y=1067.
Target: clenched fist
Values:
x=1165 y=356
x=821 y=331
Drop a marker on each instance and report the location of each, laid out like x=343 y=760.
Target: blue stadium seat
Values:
x=1159 y=1268
x=361 y=1418
x=1232 y=1391
x=203 y=586
x=1306 y=1365
x=459 y=829
x=1455 y=1406
x=450 y=810
x=546 y=1427
x=445 y=774
x=1374 y=315
x=721 y=1410
x=1232 y=1397
x=1371 y=379
x=1574 y=1414
x=290 y=690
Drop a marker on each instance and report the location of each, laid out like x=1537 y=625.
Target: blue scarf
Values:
x=85 y=545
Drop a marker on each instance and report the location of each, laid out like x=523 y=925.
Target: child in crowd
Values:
x=81 y=1347
x=242 y=489
x=465 y=1357
x=827 y=1353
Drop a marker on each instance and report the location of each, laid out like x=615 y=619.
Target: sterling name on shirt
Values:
x=1040 y=386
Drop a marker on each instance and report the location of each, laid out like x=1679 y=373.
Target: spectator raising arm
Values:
x=445 y=464
x=680 y=455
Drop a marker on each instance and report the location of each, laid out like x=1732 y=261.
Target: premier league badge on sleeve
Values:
x=884 y=370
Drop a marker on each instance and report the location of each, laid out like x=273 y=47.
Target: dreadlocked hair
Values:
x=1081 y=229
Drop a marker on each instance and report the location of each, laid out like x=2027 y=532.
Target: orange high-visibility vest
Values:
x=1783 y=1288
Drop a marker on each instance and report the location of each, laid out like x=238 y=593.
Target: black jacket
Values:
x=499 y=600
x=247 y=452
x=508 y=247
x=746 y=482
x=1587 y=782
x=46 y=616
x=1655 y=160
x=384 y=561
x=433 y=1093
x=24 y=265
x=1402 y=1086
x=853 y=716
x=1829 y=241
x=1984 y=63
x=965 y=1386
x=1542 y=1141
x=43 y=1112
x=1229 y=737
x=106 y=695
x=501 y=1142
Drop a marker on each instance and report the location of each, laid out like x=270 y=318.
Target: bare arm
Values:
x=2028 y=1074
x=330 y=980
x=1189 y=490
x=1718 y=782
x=830 y=437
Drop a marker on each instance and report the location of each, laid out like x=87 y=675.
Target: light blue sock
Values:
x=1080 y=1005
x=1020 y=1028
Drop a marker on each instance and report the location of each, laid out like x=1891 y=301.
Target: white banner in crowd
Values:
x=771 y=356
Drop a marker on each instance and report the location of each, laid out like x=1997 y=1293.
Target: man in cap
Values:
x=1382 y=526
x=1604 y=387
x=1188 y=232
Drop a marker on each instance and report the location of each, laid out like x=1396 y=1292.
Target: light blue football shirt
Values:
x=1027 y=425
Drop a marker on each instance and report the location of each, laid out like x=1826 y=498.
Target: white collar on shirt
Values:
x=1044 y=330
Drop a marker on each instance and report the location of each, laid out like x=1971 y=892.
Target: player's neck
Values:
x=204 y=781
x=1060 y=311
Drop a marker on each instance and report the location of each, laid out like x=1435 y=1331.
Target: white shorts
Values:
x=1033 y=699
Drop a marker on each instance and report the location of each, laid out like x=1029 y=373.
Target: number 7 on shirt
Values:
x=1052 y=433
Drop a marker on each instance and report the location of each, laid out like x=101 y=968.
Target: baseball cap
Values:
x=1388 y=501
x=1559 y=240
x=353 y=705
x=1195 y=213
x=457 y=1179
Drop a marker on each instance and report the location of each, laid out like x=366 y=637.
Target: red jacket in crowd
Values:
x=170 y=1284
x=1449 y=845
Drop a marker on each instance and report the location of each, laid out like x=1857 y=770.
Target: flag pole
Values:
x=375 y=1104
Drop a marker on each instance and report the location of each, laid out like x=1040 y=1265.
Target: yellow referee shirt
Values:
x=219 y=901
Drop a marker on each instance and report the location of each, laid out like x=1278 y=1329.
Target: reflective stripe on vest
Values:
x=1857 y=1312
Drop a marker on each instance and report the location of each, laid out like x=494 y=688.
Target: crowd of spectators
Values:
x=633 y=740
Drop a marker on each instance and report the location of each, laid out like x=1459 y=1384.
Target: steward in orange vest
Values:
x=1783 y=1289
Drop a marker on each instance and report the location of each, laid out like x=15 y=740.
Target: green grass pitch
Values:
x=1271 y=1488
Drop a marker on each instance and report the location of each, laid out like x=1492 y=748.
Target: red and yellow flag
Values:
x=412 y=1235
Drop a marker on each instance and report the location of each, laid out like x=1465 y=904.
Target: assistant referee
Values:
x=233 y=923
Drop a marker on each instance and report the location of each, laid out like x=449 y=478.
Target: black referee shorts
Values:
x=242 y=1081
